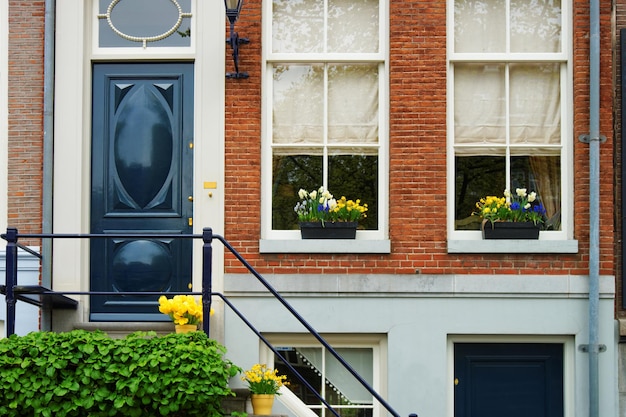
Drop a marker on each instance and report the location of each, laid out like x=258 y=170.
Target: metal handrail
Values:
x=207 y=236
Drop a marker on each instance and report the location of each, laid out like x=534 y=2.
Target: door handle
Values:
x=190 y=198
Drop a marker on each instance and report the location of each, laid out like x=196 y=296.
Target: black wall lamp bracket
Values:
x=233 y=8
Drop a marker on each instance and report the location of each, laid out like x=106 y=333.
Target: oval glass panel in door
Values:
x=143 y=145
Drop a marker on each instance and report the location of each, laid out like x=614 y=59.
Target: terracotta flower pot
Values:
x=186 y=328
x=262 y=404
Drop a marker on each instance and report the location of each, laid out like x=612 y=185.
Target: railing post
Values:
x=207 y=263
x=11 y=278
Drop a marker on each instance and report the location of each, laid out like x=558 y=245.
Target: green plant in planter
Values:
x=81 y=373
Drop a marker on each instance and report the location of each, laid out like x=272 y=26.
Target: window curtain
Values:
x=481 y=102
x=300 y=103
x=546 y=171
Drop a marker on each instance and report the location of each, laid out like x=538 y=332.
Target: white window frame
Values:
x=561 y=241
x=377 y=342
x=284 y=241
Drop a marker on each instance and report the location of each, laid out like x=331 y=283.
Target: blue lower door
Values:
x=141 y=182
x=508 y=379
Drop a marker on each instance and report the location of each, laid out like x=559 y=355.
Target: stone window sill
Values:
x=513 y=246
x=325 y=246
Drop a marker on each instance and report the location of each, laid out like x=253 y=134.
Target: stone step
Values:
x=122 y=329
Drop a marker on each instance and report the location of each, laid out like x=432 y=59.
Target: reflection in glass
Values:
x=347 y=20
x=356 y=177
x=350 y=175
x=290 y=173
x=298 y=26
x=479 y=26
x=535 y=26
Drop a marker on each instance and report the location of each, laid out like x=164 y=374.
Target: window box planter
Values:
x=328 y=230
x=510 y=230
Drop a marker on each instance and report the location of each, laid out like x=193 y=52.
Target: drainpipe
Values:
x=594 y=204
x=48 y=147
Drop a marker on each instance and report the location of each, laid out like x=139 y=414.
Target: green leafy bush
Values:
x=81 y=373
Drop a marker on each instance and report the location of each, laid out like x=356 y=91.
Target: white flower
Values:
x=507 y=193
x=521 y=192
x=302 y=193
x=313 y=195
x=532 y=197
x=527 y=206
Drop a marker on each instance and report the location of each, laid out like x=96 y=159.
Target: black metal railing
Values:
x=12 y=236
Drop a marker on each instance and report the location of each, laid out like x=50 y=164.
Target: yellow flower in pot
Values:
x=264 y=384
x=184 y=310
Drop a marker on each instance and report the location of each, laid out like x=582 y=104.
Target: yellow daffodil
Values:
x=182 y=309
x=263 y=380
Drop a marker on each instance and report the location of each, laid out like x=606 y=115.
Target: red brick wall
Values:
x=25 y=100
x=417 y=157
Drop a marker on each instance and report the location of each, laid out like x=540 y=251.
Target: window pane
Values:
x=330 y=379
x=535 y=104
x=343 y=382
x=479 y=104
x=303 y=366
x=535 y=26
x=144 y=19
x=298 y=94
x=481 y=176
x=290 y=173
x=541 y=174
x=353 y=26
x=298 y=26
x=476 y=177
x=479 y=26
x=356 y=177
x=353 y=103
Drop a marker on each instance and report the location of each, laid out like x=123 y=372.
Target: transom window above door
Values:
x=146 y=23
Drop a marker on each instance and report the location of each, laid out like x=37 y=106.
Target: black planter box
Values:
x=337 y=230
x=510 y=230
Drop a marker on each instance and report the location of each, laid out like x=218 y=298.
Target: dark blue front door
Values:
x=141 y=182
x=508 y=379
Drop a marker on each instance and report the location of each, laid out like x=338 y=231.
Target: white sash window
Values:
x=325 y=95
x=509 y=106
